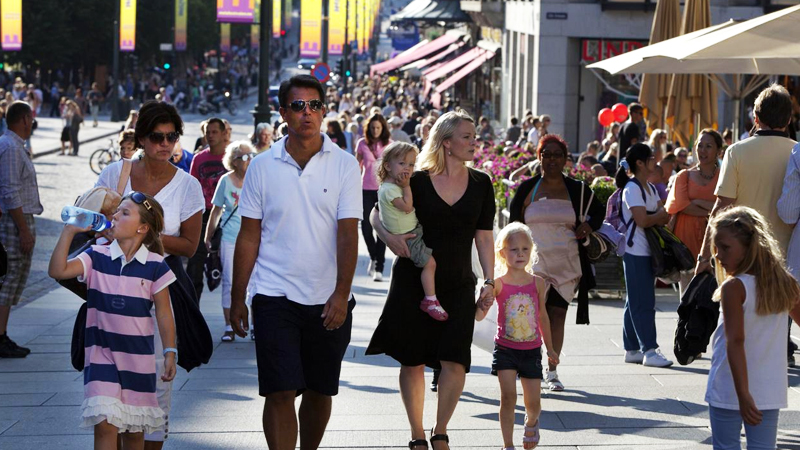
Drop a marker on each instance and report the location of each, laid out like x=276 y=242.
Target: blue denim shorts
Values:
x=527 y=363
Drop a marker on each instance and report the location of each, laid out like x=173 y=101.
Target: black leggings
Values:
x=376 y=247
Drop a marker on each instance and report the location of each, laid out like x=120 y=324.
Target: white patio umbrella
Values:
x=765 y=45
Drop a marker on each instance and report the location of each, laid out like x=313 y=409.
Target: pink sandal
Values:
x=531 y=439
x=433 y=309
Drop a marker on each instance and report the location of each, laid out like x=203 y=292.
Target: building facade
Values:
x=547 y=44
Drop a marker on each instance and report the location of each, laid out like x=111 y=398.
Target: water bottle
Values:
x=83 y=218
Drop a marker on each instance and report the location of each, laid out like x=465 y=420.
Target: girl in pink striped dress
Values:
x=124 y=280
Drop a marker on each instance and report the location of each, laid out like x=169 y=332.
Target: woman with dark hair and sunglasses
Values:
x=551 y=204
x=158 y=129
x=369 y=150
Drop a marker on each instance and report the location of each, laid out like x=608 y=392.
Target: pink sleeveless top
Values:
x=518 y=317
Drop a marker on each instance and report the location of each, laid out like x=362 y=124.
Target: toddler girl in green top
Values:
x=398 y=217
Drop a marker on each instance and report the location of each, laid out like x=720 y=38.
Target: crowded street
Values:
x=422 y=224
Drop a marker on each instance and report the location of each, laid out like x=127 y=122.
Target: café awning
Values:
x=485 y=56
x=417 y=53
x=420 y=63
x=455 y=64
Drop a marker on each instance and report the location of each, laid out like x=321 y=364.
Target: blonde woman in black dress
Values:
x=455 y=206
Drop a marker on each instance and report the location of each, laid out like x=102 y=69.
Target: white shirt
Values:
x=765 y=351
x=533 y=136
x=398 y=135
x=299 y=211
x=180 y=199
x=789 y=209
x=632 y=197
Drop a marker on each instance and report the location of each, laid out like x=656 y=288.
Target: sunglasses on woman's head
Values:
x=246 y=157
x=300 y=105
x=140 y=199
x=157 y=137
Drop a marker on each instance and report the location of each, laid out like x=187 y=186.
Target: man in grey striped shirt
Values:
x=19 y=202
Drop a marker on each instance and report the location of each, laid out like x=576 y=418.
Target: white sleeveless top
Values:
x=765 y=350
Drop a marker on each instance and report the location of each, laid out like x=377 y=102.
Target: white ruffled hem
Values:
x=129 y=419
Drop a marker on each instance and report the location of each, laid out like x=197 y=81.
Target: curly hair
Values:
x=551 y=139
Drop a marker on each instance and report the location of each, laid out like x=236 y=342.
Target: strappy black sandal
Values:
x=440 y=437
x=417 y=443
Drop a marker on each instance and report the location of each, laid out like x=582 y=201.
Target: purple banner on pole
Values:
x=235 y=11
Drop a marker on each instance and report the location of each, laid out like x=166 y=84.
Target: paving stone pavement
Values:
x=607 y=404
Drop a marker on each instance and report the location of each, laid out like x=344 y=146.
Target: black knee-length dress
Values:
x=405 y=332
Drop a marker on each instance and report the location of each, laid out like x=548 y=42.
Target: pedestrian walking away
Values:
x=300 y=207
x=753 y=174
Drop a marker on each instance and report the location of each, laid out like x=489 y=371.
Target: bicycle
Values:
x=103 y=157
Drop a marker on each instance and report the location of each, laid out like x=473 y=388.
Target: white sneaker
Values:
x=377 y=276
x=371 y=269
x=654 y=358
x=634 y=357
x=553 y=382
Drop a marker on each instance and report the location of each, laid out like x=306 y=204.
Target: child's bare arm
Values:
x=406 y=202
x=485 y=303
x=59 y=267
x=166 y=327
x=733 y=297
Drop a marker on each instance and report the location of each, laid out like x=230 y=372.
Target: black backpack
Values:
x=697 y=318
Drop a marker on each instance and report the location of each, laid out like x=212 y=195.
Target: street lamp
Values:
x=261 y=113
x=115 y=67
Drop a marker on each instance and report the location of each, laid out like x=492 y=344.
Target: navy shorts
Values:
x=294 y=352
x=527 y=363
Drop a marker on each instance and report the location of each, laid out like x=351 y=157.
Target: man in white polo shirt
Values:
x=300 y=207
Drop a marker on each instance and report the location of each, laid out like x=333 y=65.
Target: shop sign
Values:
x=594 y=50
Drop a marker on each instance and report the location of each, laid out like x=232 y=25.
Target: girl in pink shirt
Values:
x=522 y=327
x=124 y=281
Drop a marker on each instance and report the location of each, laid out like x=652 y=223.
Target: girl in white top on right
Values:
x=748 y=378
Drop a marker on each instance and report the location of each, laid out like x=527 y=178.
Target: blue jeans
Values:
x=726 y=428
x=639 y=326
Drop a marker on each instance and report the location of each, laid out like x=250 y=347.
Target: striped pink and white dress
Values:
x=119 y=374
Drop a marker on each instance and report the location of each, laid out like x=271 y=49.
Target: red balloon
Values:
x=620 y=112
x=605 y=117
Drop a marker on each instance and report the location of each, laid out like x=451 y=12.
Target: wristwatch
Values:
x=489 y=282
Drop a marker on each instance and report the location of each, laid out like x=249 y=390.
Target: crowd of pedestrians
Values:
x=287 y=204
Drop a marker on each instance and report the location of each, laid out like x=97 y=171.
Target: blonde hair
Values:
x=776 y=289
x=395 y=150
x=153 y=217
x=231 y=152
x=501 y=265
x=432 y=157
